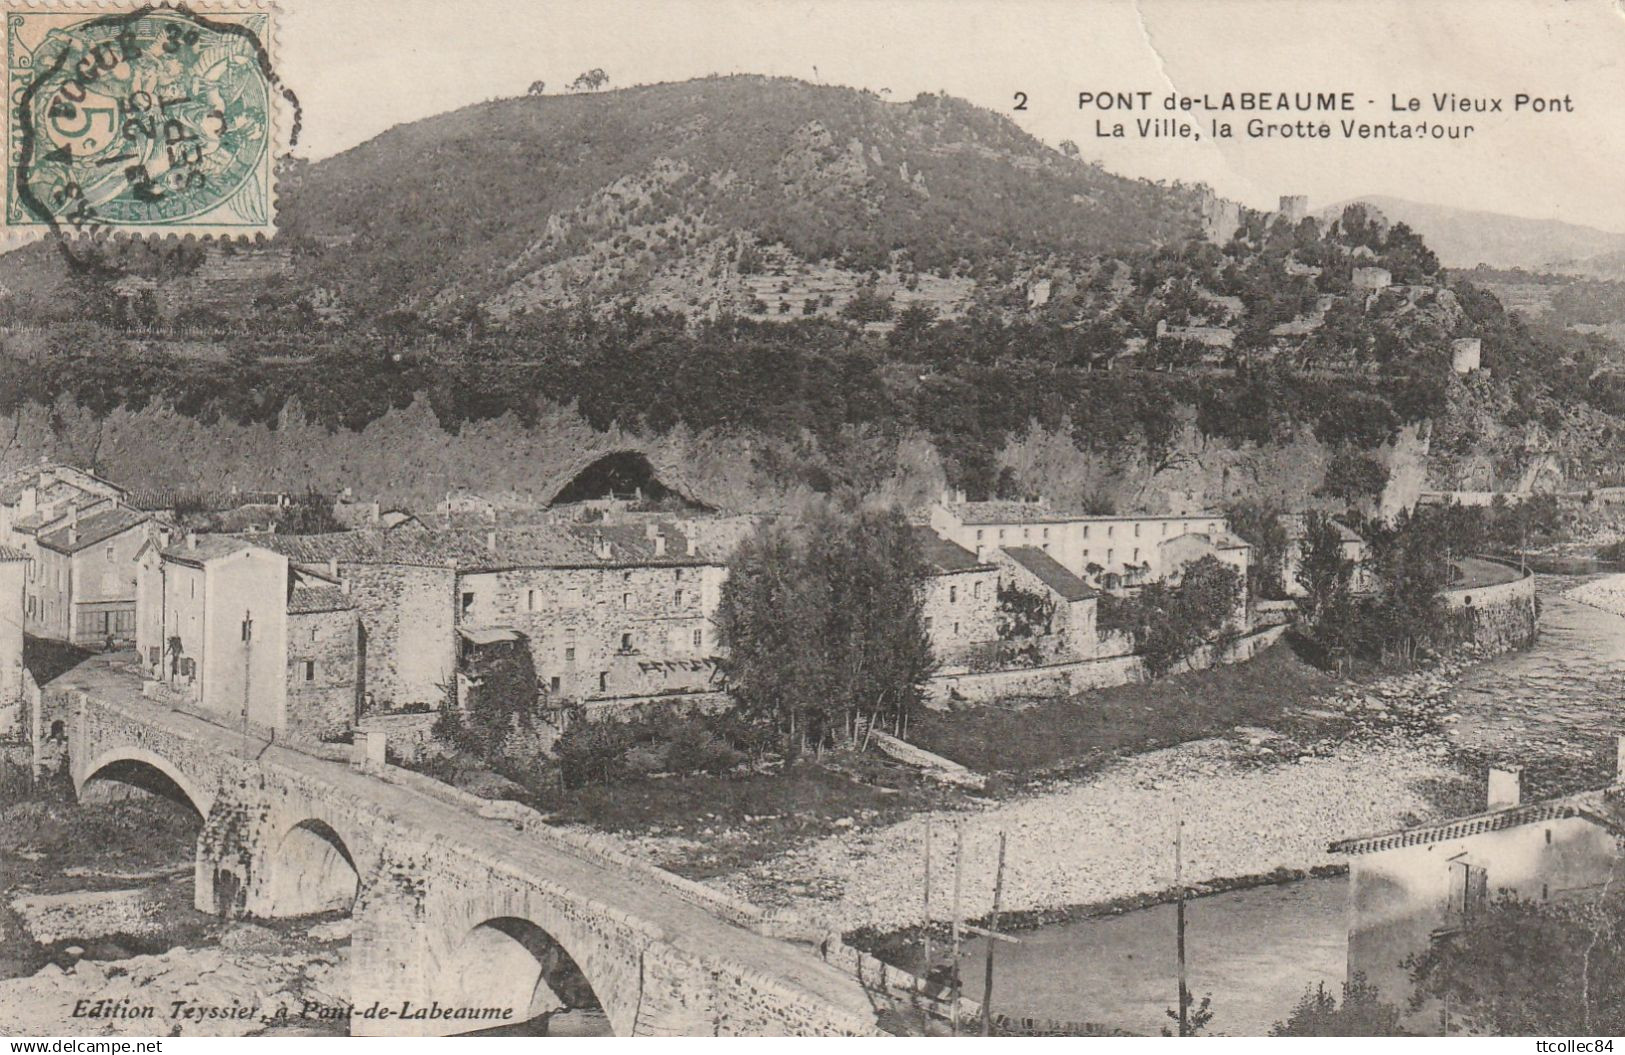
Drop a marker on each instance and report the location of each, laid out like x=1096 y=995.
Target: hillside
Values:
x=672 y=195
x=1465 y=238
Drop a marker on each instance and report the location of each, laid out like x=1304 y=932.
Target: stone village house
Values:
x=234 y=630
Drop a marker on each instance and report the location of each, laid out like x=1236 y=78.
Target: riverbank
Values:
x=1607 y=594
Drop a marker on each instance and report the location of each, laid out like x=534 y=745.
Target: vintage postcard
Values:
x=835 y=518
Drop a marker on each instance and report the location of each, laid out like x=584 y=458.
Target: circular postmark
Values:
x=155 y=118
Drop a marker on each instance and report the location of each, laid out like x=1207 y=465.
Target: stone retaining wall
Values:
x=1065 y=679
x=1497 y=617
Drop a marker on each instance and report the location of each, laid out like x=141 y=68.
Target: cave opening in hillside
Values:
x=625 y=476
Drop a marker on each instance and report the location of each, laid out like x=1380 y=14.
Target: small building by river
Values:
x=1408 y=888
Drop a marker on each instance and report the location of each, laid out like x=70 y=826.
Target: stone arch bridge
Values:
x=453 y=909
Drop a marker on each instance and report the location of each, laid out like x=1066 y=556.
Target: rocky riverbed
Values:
x=1253 y=803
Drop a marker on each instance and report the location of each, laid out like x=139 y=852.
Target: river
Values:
x=1553 y=708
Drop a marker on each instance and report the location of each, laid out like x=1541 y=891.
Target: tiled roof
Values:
x=305 y=600
x=97 y=527
x=943 y=556
x=1297 y=527
x=1603 y=807
x=207 y=548
x=1011 y=512
x=1050 y=573
x=553 y=545
x=11 y=553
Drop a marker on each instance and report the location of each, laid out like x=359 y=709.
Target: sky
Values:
x=361 y=66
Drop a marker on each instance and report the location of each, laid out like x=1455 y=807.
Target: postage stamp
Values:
x=152 y=120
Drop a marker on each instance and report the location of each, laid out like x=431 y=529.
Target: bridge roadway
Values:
x=443 y=897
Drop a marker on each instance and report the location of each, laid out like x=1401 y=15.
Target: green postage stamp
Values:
x=143 y=120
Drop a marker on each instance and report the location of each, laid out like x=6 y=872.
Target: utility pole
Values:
x=992 y=942
x=248 y=668
x=1179 y=924
x=925 y=966
x=959 y=877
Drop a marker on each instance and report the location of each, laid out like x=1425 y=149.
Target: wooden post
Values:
x=959 y=877
x=925 y=966
x=1179 y=924
x=993 y=926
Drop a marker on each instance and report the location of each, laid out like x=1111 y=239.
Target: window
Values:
x=1046 y=532
x=677 y=598
x=1086 y=531
x=953 y=594
x=603 y=681
x=1136 y=554
x=1136 y=531
x=626 y=642
x=1111 y=530
x=310 y=670
x=978 y=534
x=530 y=600
x=109 y=554
x=928 y=624
x=1001 y=534
x=626 y=600
x=956 y=629
x=976 y=588
x=569 y=653
x=1109 y=553
x=468 y=602
x=1165 y=528
x=679 y=575
x=1026 y=533
x=699 y=639
x=313 y=633
x=553 y=683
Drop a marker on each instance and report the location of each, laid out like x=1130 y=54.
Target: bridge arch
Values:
x=614 y=472
x=139 y=768
x=526 y=952
x=313 y=870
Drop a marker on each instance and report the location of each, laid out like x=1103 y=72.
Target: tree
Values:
x=1361 y=1014
x=913 y=324
x=1323 y=570
x=1353 y=475
x=1520 y=967
x=1259 y=524
x=1169 y=622
x=590 y=81
x=1069 y=148
x=536 y=88
x=822 y=623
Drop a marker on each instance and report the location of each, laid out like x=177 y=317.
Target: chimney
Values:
x=602 y=546
x=73 y=516
x=491 y=541
x=333 y=567
x=693 y=545
x=660 y=545
x=1506 y=787
x=651 y=531
x=344 y=587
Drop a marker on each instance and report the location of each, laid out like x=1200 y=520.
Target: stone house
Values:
x=324 y=656
x=608 y=611
x=1087 y=545
x=1073 y=625
x=236 y=630
x=1355 y=551
x=1409 y=887
x=214 y=625
x=959 y=598
x=13 y=572
x=40 y=491
x=84 y=583
x=403 y=587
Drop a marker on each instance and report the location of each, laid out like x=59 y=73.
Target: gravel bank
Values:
x=1607 y=593
x=1111 y=836
x=1253 y=802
